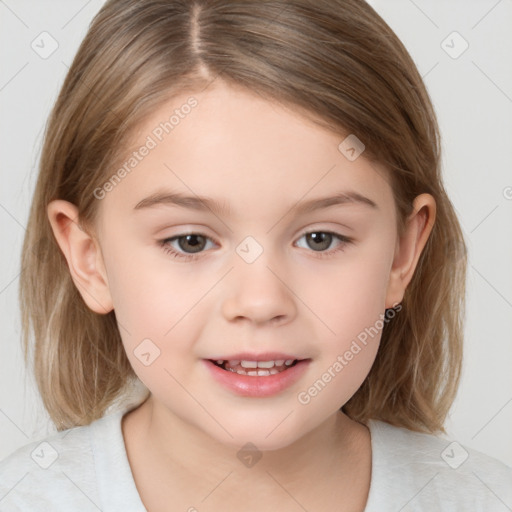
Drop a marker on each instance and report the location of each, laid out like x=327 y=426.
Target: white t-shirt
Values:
x=86 y=469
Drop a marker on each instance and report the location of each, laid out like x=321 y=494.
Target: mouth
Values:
x=255 y=368
x=257 y=376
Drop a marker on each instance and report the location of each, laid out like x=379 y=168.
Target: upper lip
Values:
x=265 y=356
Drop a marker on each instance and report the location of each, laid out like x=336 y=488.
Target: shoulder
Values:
x=429 y=472
x=55 y=473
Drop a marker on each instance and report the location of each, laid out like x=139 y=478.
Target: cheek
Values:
x=347 y=297
x=159 y=333
x=350 y=308
x=155 y=314
x=150 y=294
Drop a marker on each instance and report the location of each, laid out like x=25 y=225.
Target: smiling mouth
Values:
x=255 y=368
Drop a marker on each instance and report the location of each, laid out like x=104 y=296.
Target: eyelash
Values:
x=189 y=257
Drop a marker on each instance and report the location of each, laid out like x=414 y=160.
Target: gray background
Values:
x=472 y=94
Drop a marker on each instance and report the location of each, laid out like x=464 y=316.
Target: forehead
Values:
x=232 y=145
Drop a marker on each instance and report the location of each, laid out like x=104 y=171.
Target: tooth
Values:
x=252 y=373
x=249 y=364
x=263 y=372
x=280 y=362
x=265 y=364
x=234 y=362
x=289 y=362
x=220 y=361
x=273 y=371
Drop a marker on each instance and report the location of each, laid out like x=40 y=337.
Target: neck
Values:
x=329 y=456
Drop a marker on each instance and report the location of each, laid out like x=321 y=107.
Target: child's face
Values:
x=257 y=284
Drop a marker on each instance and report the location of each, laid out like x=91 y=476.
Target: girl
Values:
x=193 y=346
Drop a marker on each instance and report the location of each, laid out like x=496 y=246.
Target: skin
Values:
x=261 y=159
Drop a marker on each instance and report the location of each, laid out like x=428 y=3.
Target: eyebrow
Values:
x=203 y=204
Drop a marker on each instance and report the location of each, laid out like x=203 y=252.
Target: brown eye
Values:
x=319 y=240
x=189 y=246
x=194 y=243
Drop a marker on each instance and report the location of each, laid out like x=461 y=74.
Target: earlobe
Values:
x=410 y=246
x=83 y=255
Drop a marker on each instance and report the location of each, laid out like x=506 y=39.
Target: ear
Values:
x=83 y=256
x=409 y=247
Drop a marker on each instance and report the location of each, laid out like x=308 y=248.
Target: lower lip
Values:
x=258 y=386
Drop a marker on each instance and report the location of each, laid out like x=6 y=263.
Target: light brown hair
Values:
x=334 y=60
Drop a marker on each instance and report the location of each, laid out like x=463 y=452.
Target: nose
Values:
x=258 y=293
